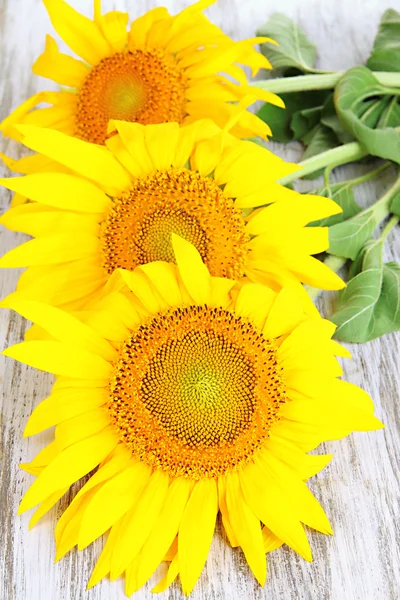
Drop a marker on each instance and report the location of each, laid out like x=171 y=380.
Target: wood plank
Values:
x=360 y=489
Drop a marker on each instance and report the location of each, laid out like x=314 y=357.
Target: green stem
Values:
x=356 y=180
x=389 y=226
x=370 y=174
x=302 y=83
x=382 y=207
x=341 y=155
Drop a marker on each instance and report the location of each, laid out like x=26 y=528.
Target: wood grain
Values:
x=360 y=489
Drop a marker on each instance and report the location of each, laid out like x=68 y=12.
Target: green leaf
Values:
x=330 y=119
x=386 y=51
x=370 y=304
x=360 y=102
x=301 y=114
x=319 y=140
x=347 y=238
x=294 y=50
x=343 y=194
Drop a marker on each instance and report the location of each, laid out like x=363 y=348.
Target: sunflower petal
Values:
x=59 y=67
x=89 y=160
x=69 y=466
x=196 y=532
x=246 y=527
x=72 y=193
x=60 y=359
x=193 y=271
x=80 y=33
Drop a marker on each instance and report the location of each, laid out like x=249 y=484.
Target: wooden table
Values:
x=359 y=489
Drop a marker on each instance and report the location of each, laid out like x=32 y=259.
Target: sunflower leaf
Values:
x=370 y=304
x=302 y=112
x=385 y=55
x=318 y=140
x=330 y=119
x=370 y=112
x=295 y=50
x=346 y=239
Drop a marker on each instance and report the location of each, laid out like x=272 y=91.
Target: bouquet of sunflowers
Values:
x=168 y=286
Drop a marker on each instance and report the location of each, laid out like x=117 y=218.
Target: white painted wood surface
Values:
x=359 y=490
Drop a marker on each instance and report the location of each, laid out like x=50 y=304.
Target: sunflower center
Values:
x=138 y=228
x=195 y=391
x=145 y=86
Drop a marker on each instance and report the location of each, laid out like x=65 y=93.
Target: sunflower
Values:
x=118 y=205
x=191 y=396
x=166 y=68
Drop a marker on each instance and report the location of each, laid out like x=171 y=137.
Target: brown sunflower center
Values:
x=145 y=86
x=195 y=391
x=138 y=228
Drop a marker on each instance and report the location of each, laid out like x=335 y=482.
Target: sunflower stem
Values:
x=340 y=155
x=389 y=226
x=325 y=81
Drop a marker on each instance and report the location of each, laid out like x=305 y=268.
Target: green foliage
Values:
x=370 y=304
x=347 y=238
x=386 y=51
x=370 y=112
x=303 y=111
x=295 y=50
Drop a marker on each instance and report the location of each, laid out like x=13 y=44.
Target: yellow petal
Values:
x=51 y=249
x=273 y=508
x=170 y=576
x=59 y=67
x=103 y=565
x=60 y=325
x=39 y=220
x=193 y=271
x=60 y=359
x=110 y=503
x=165 y=530
x=161 y=142
x=17 y=115
x=246 y=527
x=305 y=505
x=141 y=26
x=89 y=160
x=196 y=531
x=62 y=405
x=69 y=466
x=46 y=506
x=224 y=512
x=271 y=541
x=78 y=32
x=71 y=521
x=285 y=314
x=72 y=193
x=254 y=301
x=42 y=459
x=81 y=427
x=139 y=522
x=113 y=25
x=220 y=288
x=163 y=277
x=133 y=138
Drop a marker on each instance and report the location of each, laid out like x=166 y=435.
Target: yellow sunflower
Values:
x=165 y=68
x=118 y=205
x=191 y=396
